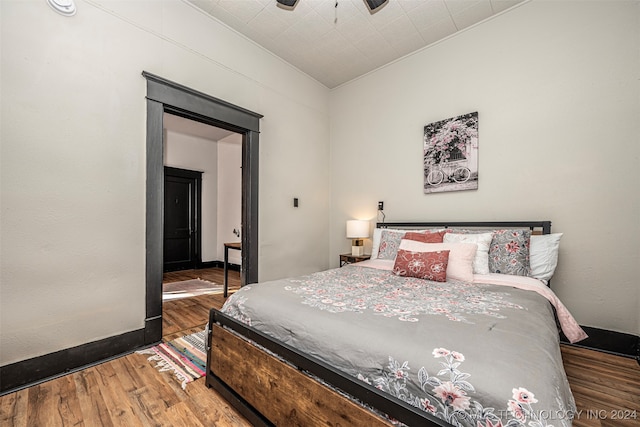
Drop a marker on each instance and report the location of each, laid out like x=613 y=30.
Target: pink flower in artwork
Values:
x=517 y=410
x=440 y=352
x=512 y=247
x=457 y=356
x=399 y=374
x=452 y=395
x=523 y=395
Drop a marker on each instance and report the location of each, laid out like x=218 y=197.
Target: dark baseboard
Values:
x=617 y=343
x=218 y=264
x=211 y=264
x=19 y=375
x=152 y=330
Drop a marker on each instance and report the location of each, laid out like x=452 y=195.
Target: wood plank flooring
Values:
x=180 y=315
x=606 y=387
x=129 y=391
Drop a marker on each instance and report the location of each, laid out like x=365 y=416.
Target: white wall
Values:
x=221 y=164
x=199 y=154
x=556 y=85
x=229 y=195
x=73 y=120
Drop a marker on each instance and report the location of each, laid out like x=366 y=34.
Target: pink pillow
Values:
x=427 y=236
x=461 y=256
x=423 y=265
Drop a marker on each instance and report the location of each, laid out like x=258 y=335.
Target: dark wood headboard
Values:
x=534 y=226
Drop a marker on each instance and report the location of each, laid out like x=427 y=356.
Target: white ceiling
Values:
x=192 y=128
x=337 y=44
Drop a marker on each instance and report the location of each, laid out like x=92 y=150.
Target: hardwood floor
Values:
x=606 y=387
x=129 y=391
x=178 y=316
x=215 y=275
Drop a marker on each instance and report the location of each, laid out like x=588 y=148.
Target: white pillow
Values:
x=461 y=255
x=483 y=240
x=543 y=255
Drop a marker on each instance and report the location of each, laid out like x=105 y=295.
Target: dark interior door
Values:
x=182 y=193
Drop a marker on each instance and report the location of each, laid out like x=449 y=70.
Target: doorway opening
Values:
x=202 y=215
x=164 y=96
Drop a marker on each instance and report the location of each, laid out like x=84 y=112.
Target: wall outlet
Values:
x=380 y=206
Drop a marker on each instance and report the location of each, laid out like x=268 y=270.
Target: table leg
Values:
x=226 y=270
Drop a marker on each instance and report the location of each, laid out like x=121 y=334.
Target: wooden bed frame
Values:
x=272 y=383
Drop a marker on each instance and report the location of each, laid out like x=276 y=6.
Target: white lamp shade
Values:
x=357 y=229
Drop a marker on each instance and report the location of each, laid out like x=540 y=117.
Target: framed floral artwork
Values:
x=450 y=154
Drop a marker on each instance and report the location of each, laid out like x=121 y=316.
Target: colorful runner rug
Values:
x=185 y=356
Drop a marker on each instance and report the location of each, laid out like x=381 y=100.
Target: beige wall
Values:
x=556 y=85
x=229 y=195
x=73 y=120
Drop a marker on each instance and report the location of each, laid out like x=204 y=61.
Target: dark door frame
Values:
x=170 y=97
x=195 y=231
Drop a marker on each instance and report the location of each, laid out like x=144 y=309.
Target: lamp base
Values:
x=357 y=250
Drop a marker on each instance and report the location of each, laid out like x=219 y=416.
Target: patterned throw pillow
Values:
x=423 y=265
x=461 y=255
x=389 y=243
x=509 y=252
x=427 y=236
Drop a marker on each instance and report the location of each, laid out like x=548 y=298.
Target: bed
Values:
x=470 y=337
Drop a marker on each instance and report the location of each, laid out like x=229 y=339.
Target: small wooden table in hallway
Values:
x=227 y=246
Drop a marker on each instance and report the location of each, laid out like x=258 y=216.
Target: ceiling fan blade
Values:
x=288 y=3
x=374 y=4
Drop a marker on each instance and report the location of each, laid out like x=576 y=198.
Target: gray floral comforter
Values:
x=472 y=354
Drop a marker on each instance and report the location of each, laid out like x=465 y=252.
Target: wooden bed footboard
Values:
x=269 y=391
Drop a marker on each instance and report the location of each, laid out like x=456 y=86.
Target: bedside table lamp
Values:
x=357 y=230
